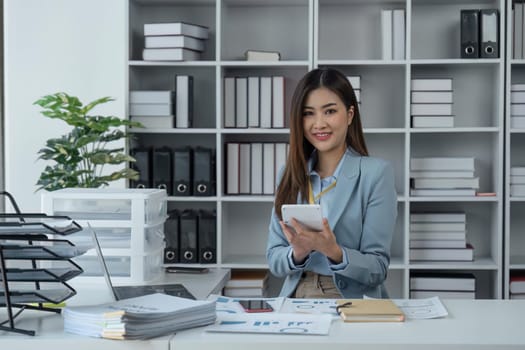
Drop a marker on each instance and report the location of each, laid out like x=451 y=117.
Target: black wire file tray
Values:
x=35 y=266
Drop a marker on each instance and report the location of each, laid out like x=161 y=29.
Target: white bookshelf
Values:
x=514 y=240
x=344 y=34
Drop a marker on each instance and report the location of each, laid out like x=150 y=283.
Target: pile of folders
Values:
x=191 y=236
x=182 y=171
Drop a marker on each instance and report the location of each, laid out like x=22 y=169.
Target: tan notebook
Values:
x=370 y=310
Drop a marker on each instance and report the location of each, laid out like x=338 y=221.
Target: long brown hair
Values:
x=294 y=180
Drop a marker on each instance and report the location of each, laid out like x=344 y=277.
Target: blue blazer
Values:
x=363 y=222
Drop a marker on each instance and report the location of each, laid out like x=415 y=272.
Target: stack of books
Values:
x=443 y=176
x=262 y=55
x=393 y=36
x=177 y=41
x=164 y=109
x=254 y=102
x=517 y=106
x=439 y=237
x=355 y=81
x=143 y=317
x=431 y=103
x=153 y=109
x=443 y=285
x=246 y=283
x=517 y=181
x=517 y=286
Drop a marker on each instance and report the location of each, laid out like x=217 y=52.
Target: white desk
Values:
x=471 y=324
x=49 y=327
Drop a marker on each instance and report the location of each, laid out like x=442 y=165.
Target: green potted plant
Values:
x=80 y=156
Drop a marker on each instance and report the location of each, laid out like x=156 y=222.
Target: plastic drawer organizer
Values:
x=129 y=224
x=35 y=262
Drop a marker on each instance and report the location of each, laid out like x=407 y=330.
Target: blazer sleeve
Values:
x=368 y=265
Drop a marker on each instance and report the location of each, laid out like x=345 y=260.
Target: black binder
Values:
x=469 y=33
x=171 y=235
x=143 y=166
x=207 y=237
x=182 y=171
x=162 y=169
x=489 y=33
x=188 y=236
x=203 y=172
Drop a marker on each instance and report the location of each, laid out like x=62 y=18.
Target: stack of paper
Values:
x=139 y=318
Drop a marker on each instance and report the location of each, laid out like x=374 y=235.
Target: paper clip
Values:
x=338 y=307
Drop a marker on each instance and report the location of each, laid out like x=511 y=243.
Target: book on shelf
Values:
x=517 y=171
x=517 y=179
x=172 y=54
x=442 y=193
x=437 y=217
x=176 y=28
x=278 y=102
x=151 y=96
x=256 y=158
x=517 y=122
x=281 y=154
x=517 y=97
x=437 y=226
x=244 y=168
x=398 y=34
x=442 y=294
x=386 y=34
x=517 y=109
x=431 y=97
x=442 y=163
x=437 y=235
x=265 y=99
x=443 y=254
x=151 y=109
x=431 y=84
x=443 y=281
x=369 y=310
x=241 y=102
x=229 y=102
x=425 y=121
x=445 y=183
x=438 y=174
x=437 y=243
x=253 y=102
x=435 y=109
x=268 y=168
x=517 y=284
x=232 y=168
x=142 y=317
x=184 y=101
x=262 y=55
x=173 y=41
x=155 y=122
x=517 y=190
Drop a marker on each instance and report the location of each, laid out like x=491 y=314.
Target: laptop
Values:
x=125 y=292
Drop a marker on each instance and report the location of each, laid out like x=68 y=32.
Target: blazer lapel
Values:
x=346 y=181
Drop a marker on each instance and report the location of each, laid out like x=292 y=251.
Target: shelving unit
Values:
x=514 y=241
x=345 y=35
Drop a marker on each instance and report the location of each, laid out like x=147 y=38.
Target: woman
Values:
x=328 y=164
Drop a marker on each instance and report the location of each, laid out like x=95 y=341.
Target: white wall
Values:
x=75 y=46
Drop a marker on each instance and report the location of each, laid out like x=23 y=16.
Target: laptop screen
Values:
x=103 y=265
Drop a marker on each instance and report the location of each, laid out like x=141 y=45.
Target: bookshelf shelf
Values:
x=314 y=31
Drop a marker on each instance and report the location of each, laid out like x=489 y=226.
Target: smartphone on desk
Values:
x=256 y=306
